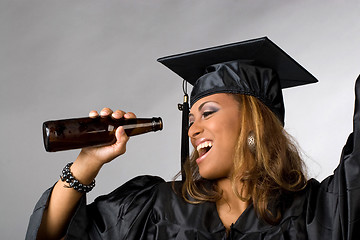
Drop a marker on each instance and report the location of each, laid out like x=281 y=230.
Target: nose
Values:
x=195 y=129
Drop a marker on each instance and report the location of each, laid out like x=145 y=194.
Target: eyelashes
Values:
x=205 y=115
x=208 y=113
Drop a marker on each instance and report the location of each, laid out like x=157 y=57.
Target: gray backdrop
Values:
x=61 y=59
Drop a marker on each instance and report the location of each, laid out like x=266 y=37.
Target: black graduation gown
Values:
x=146 y=207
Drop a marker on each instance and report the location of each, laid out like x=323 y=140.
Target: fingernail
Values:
x=92 y=114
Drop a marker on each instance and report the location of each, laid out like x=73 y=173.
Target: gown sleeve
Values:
x=111 y=216
x=334 y=205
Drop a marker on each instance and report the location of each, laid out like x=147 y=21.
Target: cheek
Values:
x=227 y=140
x=229 y=131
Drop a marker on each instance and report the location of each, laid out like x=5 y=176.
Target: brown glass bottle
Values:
x=75 y=133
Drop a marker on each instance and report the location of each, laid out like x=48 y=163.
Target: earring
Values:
x=251 y=142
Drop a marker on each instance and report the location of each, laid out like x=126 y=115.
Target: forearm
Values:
x=63 y=200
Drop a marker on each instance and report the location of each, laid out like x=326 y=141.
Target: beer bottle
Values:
x=75 y=133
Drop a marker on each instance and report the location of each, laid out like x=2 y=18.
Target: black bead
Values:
x=73 y=182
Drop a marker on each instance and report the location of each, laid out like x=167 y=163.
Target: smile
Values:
x=203 y=148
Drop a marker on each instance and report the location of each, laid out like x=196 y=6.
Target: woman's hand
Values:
x=63 y=200
x=105 y=154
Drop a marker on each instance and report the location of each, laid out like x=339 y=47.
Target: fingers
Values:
x=118 y=114
x=103 y=113
x=121 y=114
x=107 y=111
x=93 y=114
x=130 y=115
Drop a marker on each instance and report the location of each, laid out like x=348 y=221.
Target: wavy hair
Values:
x=264 y=175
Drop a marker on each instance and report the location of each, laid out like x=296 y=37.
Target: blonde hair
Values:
x=272 y=170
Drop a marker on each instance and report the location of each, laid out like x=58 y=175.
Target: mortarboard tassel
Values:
x=184 y=131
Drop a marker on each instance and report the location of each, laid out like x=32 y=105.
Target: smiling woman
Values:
x=268 y=171
x=245 y=180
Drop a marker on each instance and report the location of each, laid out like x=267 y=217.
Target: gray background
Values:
x=61 y=59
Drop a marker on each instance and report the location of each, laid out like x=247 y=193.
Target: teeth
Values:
x=204 y=145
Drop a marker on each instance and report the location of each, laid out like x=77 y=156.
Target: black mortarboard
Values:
x=255 y=67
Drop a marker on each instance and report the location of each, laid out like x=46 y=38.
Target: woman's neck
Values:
x=230 y=206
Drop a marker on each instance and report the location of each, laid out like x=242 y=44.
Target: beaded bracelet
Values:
x=66 y=176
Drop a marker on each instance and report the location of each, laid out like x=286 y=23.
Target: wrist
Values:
x=67 y=177
x=85 y=168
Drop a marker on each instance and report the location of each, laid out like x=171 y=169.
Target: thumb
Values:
x=121 y=140
x=121 y=135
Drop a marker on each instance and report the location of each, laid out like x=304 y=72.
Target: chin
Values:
x=210 y=175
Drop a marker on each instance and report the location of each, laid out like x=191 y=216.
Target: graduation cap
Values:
x=256 y=67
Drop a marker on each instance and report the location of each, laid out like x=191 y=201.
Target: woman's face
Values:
x=214 y=130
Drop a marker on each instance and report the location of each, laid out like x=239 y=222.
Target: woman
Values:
x=245 y=179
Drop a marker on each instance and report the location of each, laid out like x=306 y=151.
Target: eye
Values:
x=208 y=113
